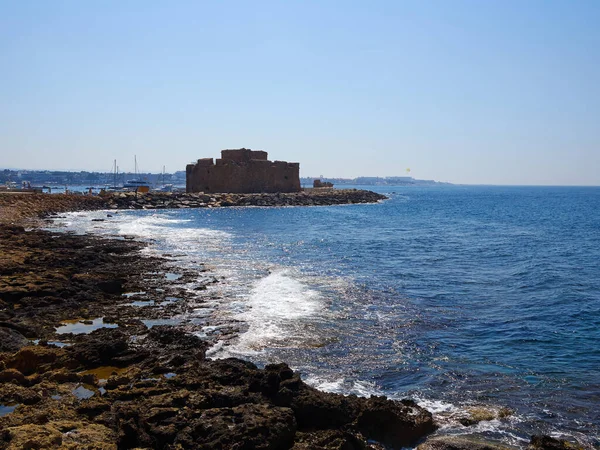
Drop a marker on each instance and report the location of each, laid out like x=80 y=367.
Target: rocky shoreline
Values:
x=87 y=362
x=16 y=207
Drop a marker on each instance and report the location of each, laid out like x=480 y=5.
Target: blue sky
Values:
x=498 y=92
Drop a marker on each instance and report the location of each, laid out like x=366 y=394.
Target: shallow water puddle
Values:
x=169 y=300
x=169 y=375
x=132 y=294
x=142 y=303
x=55 y=343
x=7 y=409
x=170 y=276
x=59 y=344
x=82 y=393
x=76 y=326
x=103 y=373
x=154 y=322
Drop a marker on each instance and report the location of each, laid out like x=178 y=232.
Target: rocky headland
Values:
x=91 y=358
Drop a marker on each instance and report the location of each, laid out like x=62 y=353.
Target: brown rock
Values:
x=11 y=340
x=333 y=440
x=540 y=442
x=12 y=375
x=32 y=359
x=461 y=443
x=104 y=347
x=242 y=427
x=32 y=437
x=396 y=424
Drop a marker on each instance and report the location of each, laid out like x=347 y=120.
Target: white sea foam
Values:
x=277 y=311
x=437 y=406
x=362 y=388
x=157 y=226
x=215 y=349
x=161 y=227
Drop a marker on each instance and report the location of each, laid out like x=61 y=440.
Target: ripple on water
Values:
x=77 y=326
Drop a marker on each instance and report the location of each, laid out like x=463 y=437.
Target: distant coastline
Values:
x=373 y=181
x=85 y=178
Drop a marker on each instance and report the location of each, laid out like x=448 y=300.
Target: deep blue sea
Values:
x=457 y=296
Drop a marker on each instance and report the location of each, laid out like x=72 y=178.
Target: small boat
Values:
x=138 y=184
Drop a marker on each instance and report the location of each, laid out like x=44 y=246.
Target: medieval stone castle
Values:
x=242 y=171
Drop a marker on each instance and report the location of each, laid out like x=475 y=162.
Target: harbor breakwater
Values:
x=313 y=197
x=15 y=207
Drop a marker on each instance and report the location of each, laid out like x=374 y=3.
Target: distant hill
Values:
x=371 y=181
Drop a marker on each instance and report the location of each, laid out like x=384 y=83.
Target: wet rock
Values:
x=112 y=286
x=12 y=393
x=31 y=437
x=32 y=359
x=66 y=435
x=11 y=340
x=91 y=436
x=461 y=443
x=174 y=338
x=12 y=376
x=243 y=427
x=104 y=347
x=114 y=381
x=131 y=429
x=333 y=440
x=478 y=414
x=396 y=424
x=176 y=346
x=321 y=410
x=540 y=442
x=62 y=376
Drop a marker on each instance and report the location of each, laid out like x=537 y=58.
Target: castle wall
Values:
x=242 y=171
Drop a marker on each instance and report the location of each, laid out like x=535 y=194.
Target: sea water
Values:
x=456 y=296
